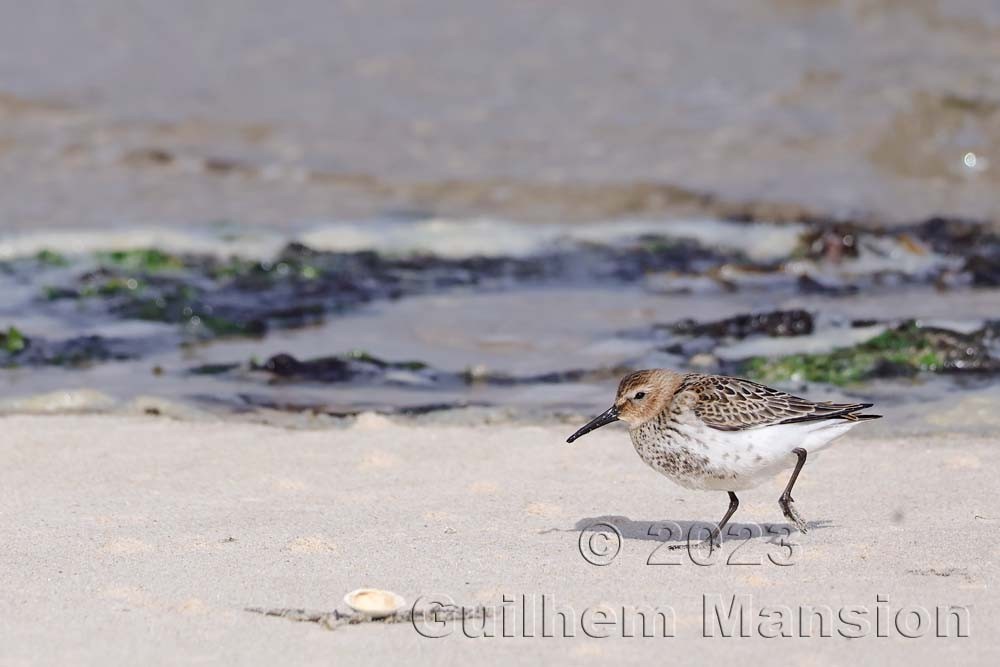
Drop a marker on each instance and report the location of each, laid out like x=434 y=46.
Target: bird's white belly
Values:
x=698 y=457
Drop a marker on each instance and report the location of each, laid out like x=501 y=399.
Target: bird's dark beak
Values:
x=603 y=419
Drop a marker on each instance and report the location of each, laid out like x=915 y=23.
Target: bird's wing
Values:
x=732 y=404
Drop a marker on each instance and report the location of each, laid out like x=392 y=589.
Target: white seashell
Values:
x=374 y=603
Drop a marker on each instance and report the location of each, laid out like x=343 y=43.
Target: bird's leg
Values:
x=786 y=500
x=734 y=502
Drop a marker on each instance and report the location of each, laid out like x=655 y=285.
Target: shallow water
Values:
x=547 y=337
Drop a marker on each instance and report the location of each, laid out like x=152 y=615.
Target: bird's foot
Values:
x=788 y=509
x=707 y=546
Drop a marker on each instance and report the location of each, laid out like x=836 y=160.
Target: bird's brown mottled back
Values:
x=734 y=404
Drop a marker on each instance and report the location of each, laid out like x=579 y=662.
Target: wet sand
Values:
x=141 y=539
x=879 y=110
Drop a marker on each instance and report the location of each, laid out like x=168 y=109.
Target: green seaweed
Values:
x=168 y=306
x=118 y=286
x=110 y=287
x=145 y=260
x=839 y=367
x=656 y=243
x=183 y=305
x=904 y=350
x=51 y=258
x=12 y=341
x=220 y=326
x=236 y=268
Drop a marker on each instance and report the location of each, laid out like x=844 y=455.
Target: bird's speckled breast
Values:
x=677 y=449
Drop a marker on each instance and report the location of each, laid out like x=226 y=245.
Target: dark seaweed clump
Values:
x=211 y=296
x=903 y=351
x=688 y=337
x=776 y=323
x=225 y=297
x=976 y=243
x=16 y=349
x=335 y=368
x=355 y=366
x=196 y=292
x=363 y=367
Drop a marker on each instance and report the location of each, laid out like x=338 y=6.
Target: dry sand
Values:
x=142 y=540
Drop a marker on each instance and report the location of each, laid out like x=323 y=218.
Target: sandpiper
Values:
x=720 y=433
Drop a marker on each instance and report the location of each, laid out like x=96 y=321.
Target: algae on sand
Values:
x=12 y=341
x=903 y=351
x=143 y=260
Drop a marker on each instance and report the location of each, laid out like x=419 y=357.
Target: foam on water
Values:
x=255 y=244
x=451 y=238
x=490 y=237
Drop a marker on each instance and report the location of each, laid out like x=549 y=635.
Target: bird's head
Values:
x=642 y=395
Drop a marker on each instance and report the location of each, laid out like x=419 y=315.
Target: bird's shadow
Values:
x=684 y=532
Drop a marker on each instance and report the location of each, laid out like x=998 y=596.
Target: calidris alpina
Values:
x=722 y=433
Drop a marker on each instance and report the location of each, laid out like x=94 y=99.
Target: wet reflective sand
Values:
x=179 y=112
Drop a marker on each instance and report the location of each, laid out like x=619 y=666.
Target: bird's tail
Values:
x=852 y=413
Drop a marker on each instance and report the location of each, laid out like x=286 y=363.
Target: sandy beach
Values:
x=296 y=300
x=143 y=539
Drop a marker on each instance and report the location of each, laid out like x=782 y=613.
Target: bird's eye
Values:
x=639 y=395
